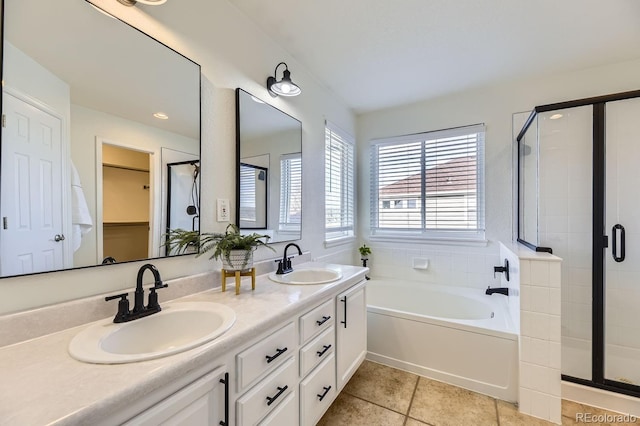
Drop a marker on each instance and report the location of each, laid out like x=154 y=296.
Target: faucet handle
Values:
x=123 y=306
x=279 y=271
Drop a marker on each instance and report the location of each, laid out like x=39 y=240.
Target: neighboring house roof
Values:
x=455 y=175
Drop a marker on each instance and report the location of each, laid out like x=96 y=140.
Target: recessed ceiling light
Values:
x=555 y=116
x=161 y=115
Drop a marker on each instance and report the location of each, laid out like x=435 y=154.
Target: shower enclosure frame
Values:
x=600 y=241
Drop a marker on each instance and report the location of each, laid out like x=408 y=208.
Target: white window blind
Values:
x=247 y=194
x=290 y=192
x=429 y=185
x=339 y=159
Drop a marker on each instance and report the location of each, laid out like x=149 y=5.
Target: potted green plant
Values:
x=364 y=252
x=233 y=248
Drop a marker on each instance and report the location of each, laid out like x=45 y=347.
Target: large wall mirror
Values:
x=269 y=151
x=101 y=142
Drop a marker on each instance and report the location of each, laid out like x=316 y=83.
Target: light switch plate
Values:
x=222 y=206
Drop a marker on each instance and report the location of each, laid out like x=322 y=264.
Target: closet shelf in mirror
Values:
x=125 y=223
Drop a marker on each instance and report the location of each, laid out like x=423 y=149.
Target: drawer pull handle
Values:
x=277 y=354
x=225 y=381
x=326 y=391
x=324 y=319
x=324 y=350
x=345 y=311
x=270 y=399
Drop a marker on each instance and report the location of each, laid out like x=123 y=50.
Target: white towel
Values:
x=81 y=222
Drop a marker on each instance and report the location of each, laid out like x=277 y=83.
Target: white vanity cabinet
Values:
x=287 y=376
x=204 y=402
x=351 y=332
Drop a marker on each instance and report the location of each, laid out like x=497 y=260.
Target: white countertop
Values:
x=41 y=384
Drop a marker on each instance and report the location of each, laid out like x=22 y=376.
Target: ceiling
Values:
x=375 y=54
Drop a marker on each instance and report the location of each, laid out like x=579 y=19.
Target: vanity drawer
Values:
x=265 y=355
x=318 y=391
x=317 y=350
x=268 y=394
x=318 y=319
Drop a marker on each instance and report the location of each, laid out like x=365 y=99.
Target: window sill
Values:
x=471 y=242
x=339 y=241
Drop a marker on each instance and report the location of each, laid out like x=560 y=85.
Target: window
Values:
x=247 y=194
x=339 y=193
x=439 y=174
x=290 y=192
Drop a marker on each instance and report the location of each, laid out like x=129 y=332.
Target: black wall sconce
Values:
x=284 y=87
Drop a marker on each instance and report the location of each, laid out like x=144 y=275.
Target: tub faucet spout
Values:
x=502 y=290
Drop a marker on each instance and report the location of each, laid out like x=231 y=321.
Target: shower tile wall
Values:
x=565 y=213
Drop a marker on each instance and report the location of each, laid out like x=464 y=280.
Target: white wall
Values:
x=494 y=106
x=235 y=54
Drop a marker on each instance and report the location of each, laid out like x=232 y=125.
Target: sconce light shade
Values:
x=284 y=87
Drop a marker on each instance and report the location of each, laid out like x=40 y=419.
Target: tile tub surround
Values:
x=538 y=277
x=42 y=384
x=385 y=396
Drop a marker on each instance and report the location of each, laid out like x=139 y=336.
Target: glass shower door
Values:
x=622 y=257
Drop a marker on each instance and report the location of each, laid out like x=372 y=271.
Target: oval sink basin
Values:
x=178 y=327
x=307 y=276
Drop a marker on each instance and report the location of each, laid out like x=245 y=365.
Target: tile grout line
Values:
x=374 y=403
x=495 y=404
x=413 y=395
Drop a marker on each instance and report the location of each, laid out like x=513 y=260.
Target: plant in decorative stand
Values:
x=232 y=248
x=364 y=255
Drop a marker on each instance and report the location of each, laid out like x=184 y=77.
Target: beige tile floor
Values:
x=385 y=396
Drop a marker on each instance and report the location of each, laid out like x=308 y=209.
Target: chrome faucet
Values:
x=139 y=310
x=284 y=264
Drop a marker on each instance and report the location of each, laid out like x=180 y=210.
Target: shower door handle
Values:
x=614 y=249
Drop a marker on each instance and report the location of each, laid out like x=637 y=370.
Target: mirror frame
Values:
x=144 y=34
x=238 y=164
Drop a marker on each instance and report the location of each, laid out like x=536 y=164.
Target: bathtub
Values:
x=456 y=335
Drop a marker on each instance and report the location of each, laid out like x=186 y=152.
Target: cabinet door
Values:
x=351 y=332
x=203 y=402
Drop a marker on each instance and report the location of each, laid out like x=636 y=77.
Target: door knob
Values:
x=58 y=238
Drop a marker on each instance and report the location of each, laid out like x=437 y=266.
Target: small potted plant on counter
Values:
x=364 y=252
x=233 y=248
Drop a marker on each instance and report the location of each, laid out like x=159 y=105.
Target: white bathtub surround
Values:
x=449 y=333
x=540 y=377
x=450 y=265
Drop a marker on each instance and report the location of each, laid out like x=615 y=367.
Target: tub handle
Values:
x=344 y=300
